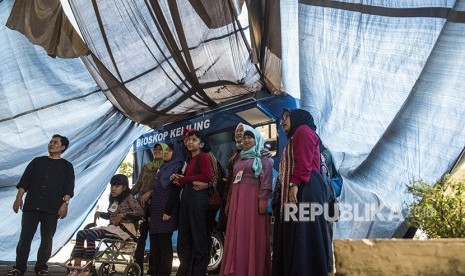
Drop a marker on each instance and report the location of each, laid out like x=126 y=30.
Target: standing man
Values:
x=49 y=184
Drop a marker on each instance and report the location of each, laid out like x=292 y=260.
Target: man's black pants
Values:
x=29 y=222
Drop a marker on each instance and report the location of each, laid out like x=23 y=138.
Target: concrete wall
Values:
x=400 y=257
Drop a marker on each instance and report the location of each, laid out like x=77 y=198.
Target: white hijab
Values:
x=246 y=127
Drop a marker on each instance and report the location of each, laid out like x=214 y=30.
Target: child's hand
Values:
x=96 y=216
x=117 y=219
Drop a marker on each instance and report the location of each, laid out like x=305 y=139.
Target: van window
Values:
x=269 y=132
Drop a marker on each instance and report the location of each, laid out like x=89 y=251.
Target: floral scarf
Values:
x=286 y=166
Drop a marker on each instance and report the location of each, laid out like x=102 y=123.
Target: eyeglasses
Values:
x=285 y=116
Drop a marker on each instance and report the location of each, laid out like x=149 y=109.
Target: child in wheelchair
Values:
x=123 y=212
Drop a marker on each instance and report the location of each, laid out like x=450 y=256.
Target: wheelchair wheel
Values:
x=106 y=269
x=93 y=271
x=132 y=269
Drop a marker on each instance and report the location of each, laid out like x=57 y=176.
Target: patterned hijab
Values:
x=299 y=117
x=245 y=127
x=156 y=164
x=254 y=152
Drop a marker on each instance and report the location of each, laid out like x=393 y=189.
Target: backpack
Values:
x=334 y=177
x=332 y=199
x=214 y=197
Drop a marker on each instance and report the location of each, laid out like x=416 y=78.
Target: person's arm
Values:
x=136 y=187
x=104 y=215
x=136 y=211
x=125 y=214
x=199 y=185
x=63 y=210
x=18 y=203
x=172 y=199
x=23 y=185
x=69 y=182
x=304 y=146
x=145 y=198
x=228 y=199
x=68 y=190
x=266 y=181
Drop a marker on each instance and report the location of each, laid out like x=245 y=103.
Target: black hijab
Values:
x=299 y=117
x=171 y=166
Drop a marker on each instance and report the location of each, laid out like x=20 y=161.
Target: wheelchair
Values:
x=111 y=251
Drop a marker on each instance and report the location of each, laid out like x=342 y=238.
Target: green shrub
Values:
x=126 y=168
x=439 y=209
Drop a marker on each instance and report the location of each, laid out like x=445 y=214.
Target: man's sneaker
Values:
x=14 y=272
x=42 y=273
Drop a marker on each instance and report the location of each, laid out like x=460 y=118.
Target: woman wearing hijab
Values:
x=142 y=190
x=300 y=247
x=247 y=247
x=164 y=210
x=224 y=189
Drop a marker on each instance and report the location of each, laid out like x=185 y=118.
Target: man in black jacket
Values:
x=49 y=184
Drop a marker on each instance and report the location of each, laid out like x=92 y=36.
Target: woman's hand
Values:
x=262 y=210
x=293 y=194
x=117 y=219
x=175 y=179
x=145 y=198
x=166 y=217
x=198 y=185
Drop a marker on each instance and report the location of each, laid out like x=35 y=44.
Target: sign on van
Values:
x=171 y=134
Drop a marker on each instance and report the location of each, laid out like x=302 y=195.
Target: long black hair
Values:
x=203 y=139
x=120 y=179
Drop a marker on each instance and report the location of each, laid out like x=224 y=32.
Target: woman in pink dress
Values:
x=247 y=241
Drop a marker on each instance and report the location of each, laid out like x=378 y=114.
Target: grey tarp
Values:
x=41 y=96
x=155 y=61
x=159 y=61
x=384 y=80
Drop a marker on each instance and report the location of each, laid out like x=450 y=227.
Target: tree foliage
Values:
x=126 y=169
x=438 y=209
